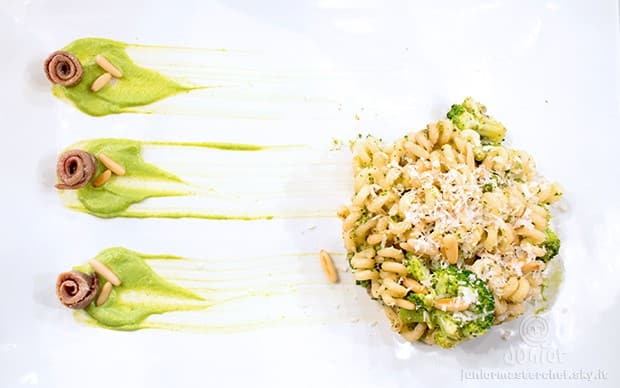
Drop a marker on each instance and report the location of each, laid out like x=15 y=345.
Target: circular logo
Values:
x=534 y=330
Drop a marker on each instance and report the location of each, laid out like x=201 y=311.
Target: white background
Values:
x=547 y=69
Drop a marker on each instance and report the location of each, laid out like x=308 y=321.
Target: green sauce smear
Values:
x=138 y=86
x=114 y=198
x=141 y=294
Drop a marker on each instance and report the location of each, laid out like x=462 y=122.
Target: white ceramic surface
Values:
x=547 y=69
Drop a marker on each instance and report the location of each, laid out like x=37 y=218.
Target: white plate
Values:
x=547 y=69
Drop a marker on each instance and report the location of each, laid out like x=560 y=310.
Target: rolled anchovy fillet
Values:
x=75 y=168
x=76 y=289
x=63 y=68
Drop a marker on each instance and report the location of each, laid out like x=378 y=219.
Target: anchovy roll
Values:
x=63 y=68
x=76 y=289
x=75 y=169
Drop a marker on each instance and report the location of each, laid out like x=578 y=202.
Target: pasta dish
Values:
x=448 y=228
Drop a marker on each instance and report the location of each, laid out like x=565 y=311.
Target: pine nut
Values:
x=108 y=66
x=328 y=266
x=104 y=271
x=100 y=82
x=414 y=286
x=102 y=178
x=450 y=248
x=104 y=294
x=111 y=164
x=451 y=304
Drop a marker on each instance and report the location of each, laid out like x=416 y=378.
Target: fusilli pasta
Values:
x=450 y=197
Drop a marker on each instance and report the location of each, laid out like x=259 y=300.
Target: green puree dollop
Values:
x=141 y=294
x=113 y=198
x=137 y=87
x=143 y=180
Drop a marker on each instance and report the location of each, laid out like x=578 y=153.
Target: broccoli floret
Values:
x=442 y=340
x=416 y=268
x=446 y=281
x=461 y=117
x=456 y=110
x=551 y=245
x=422 y=301
x=446 y=324
x=450 y=282
x=452 y=327
x=414 y=316
x=422 y=313
x=472 y=115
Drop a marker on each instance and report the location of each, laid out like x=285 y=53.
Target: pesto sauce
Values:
x=114 y=198
x=141 y=294
x=138 y=86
